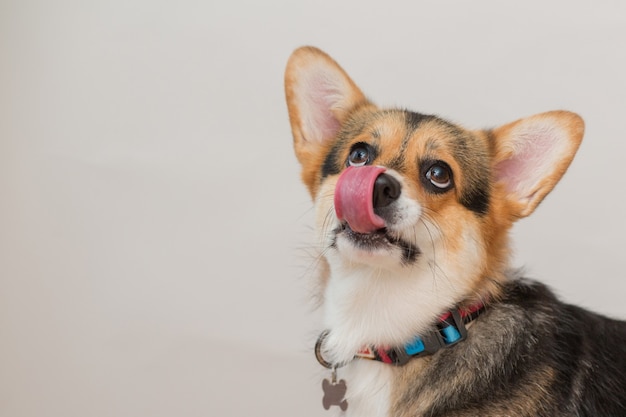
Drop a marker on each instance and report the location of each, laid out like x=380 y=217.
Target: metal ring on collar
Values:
x=318 y=350
x=319 y=345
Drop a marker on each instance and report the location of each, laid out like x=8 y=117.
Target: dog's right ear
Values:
x=532 y=154
x=320 y=96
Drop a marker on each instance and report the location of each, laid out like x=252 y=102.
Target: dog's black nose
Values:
x=386 y=190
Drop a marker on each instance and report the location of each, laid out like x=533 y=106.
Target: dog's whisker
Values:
x=432 y=265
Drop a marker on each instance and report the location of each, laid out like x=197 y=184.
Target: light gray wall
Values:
x=153 y=230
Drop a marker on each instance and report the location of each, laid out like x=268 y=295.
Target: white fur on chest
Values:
x=365 y=306
x=368 y=389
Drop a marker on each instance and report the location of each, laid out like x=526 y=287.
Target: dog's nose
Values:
x=386 y=190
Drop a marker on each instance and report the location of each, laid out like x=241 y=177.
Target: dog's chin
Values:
x=379 y=248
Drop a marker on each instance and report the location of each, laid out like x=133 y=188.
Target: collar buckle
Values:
x=449 y=331
x=452 y=328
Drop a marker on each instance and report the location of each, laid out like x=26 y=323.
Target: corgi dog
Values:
x=423 y=315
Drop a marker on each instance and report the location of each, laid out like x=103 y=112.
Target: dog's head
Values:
x=399 y=191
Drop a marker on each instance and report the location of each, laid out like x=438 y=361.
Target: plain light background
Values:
x=153 y=230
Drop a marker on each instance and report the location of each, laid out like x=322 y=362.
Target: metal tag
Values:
x=334 y=392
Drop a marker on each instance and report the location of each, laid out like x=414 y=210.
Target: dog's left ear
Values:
x=532 y=154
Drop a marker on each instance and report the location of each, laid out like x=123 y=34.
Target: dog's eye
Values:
x=440 y=175
x=359 y=155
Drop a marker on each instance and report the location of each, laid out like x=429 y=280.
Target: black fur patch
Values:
x=476 y=199
x=474 y=160
x=413 y=120
x=331 y=165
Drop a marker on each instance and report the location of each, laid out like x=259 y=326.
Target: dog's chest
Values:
x=369 y=386
x=375 y=389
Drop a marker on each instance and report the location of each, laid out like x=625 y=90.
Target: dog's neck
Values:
x=449 y=330
x=365 y=306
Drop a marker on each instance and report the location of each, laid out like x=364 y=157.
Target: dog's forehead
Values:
x=400 y=134
x=407 y=134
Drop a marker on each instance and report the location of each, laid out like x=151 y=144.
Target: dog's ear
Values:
x=320 y=96
x=532 y=154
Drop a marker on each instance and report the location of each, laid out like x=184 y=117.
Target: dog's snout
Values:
x=386 y=190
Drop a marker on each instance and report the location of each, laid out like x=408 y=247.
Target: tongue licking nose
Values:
x=354 y=198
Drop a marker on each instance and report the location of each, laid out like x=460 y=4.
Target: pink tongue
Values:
x=354 y=198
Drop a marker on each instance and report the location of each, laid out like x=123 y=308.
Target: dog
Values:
x=423 y=314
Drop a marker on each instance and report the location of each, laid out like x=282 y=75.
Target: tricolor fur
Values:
x=443 y=243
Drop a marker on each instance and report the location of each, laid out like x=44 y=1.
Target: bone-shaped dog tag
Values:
x=334 y=392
